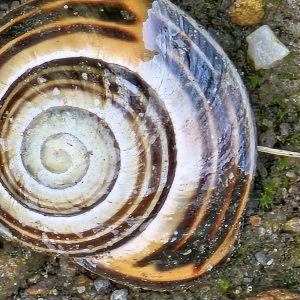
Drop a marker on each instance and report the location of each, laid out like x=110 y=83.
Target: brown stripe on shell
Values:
x=12 y=107
x=64 y=239
x=61 y=240
x=131 y=31
x=18 y=191
x=196 y=211
x=45 y=10
x=193 y=211
x=215 y=216
x=61 y=29
x=203 y=233
x=218 y=257
x=56 y=12
x=160 y=278
x=145 y=202
x=194 y=202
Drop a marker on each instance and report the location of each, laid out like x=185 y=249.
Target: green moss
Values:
x=282 y=115
x=277 y=99
x=267 y=194
x=254 y=80
x=285 y=183
x=283 y=163
x=224 y=285
x=265 y=200
x=270 y=189
x=293 y=139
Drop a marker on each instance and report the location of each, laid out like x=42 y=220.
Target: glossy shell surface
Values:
x=126 y=139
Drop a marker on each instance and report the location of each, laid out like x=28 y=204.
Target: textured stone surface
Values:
x=119 y=295
x=247 y=12
x=275 y=295
x=16 y=266
x=264 y=48
x=292 y=226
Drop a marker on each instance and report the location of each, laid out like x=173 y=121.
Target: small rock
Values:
x=56 y=92
x=45 y=287
x=81 y=289
x=16 y=266
x=291 y=174
x=292 y=226
x=14 y=4
x=41 y=80
x=285 y=129
x=247 y=12
x=67 y=267
x=101 y=285
x=284 y=193
x=264 y=48
x=275 y=295
x=268 y=138
x=34 y=279
x=41 y=291
x=255 y=221
x=261 y=231
x=82 y=281
x=248 y=280
x=4 y=6
x=82 y=284
x=119 y=295
x=263 y=259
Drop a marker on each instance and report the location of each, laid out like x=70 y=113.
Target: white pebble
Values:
x=84 y=76
x=56 y=92
x=101 y=285
x=81 y=289
x=41 y=80
x=119 y=295
x=264 y=48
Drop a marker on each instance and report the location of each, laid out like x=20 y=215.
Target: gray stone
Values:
x=263 y=259
x=14 y=4
x=4 y=6
x=81 y=289
x=16 y=267
x=285 y=129
x=101 y=285
x=268 y=138
x=248 y=280
x=119 y=295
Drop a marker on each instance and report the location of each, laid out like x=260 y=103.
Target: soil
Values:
x=268 y=255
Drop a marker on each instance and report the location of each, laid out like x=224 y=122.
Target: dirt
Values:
x=267 y=256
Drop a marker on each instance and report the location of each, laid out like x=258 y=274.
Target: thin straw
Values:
x=278 y=152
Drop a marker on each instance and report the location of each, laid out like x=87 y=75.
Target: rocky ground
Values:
x=268 y=256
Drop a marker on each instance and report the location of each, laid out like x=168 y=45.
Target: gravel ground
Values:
x=268 y=255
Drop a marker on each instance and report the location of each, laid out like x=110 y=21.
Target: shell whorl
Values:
x=126 y=139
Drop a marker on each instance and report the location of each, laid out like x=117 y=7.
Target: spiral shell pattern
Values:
x=126 y=139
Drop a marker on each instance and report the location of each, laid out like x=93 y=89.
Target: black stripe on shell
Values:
x=154 y=148
x=201 y=244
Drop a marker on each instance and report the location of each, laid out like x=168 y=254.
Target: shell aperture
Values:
x=127 y=139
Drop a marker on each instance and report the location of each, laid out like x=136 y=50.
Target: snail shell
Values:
x=127 y=140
